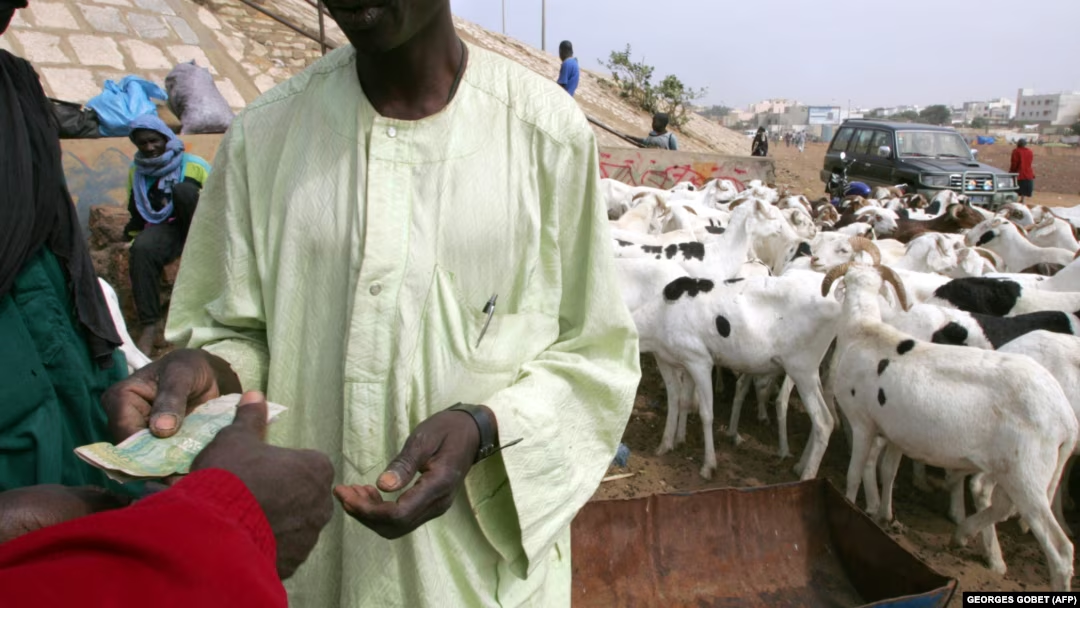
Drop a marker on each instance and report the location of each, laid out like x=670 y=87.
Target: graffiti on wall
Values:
x=96 y=180
x=638 y=168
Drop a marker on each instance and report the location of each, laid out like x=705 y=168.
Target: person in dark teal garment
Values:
x=58 y=343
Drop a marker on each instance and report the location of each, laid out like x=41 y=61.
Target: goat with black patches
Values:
x=757 y=326
x=1001 y=297
x=962 y=409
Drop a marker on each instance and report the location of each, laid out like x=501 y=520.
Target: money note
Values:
x=144 y=456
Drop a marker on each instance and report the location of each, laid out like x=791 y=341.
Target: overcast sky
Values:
x=823 y=52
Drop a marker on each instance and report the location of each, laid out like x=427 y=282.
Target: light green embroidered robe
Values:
x=340 y=261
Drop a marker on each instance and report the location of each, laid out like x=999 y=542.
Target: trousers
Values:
x=155 y=247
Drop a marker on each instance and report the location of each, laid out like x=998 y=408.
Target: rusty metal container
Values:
x=790 y=545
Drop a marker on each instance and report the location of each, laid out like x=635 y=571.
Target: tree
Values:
x=1075 y=127
x=980 y=123
x=674 y=98
x=717 y=112
x=938 y=114
x=633 y=78
x=876 y=113
x=635 y=84
x=908 y=115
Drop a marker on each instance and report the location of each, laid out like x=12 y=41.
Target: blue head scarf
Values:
x=164 y=170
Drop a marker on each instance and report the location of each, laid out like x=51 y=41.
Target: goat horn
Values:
x=888 y=274
x=990 y=256
x=832 y=275
x=863 y=244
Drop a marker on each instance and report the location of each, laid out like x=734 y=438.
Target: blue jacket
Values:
x=569 y=75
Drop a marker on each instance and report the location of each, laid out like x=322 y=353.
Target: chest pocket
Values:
x=449 y=366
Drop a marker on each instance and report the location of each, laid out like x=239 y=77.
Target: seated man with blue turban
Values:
x=164 y=186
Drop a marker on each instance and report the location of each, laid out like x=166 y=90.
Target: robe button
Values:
x=392 y=132
x=376 y=289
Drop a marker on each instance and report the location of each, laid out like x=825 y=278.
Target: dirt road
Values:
x=1057 y=171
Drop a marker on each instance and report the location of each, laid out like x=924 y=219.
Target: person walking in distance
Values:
x=1021 y=165
x=760 y=146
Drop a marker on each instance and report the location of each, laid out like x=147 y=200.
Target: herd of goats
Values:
x=930 y=328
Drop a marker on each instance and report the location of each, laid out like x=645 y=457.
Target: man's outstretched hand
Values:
x=161 y=394
x=292 y=486
x=442 y=450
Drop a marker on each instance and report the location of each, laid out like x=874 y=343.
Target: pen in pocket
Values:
x=489 y=310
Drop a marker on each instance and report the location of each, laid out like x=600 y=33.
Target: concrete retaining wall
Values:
x=97 y=169
x=660 y=168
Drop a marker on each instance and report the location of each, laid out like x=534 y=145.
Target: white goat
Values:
x=757 y=326
x=1008 y=240
x=649 y=214
x=962 y=409
x=1044 y=228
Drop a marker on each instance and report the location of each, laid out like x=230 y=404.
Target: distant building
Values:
x=737 y=117
x=1047 y=109
x=997 y=111
x=773 y=106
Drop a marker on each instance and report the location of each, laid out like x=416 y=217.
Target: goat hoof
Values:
x=707 y=472
x=736 y=439
x=663 y=449
x=895 y=526
x=996 y=566
x=784 y=454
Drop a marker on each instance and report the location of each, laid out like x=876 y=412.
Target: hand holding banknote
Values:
x=161 y=394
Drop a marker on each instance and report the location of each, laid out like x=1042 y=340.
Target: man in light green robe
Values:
x=340 y=261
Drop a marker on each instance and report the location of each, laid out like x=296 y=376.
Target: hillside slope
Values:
x=603 y=102
x=598 y=101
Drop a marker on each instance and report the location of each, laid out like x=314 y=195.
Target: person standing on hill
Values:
x=760 y=146
x=570 y=73
x=660 y=137
x=1021 y=165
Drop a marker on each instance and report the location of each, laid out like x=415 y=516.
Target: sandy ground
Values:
x=925 y=530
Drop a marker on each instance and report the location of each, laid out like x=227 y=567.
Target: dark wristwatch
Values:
x=489 y=440
x=489 y=435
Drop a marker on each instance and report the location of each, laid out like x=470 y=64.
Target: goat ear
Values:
x=691 y=210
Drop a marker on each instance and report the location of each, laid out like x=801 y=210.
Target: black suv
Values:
x=927 y=158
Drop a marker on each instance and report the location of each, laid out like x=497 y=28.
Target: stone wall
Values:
x=77 y=45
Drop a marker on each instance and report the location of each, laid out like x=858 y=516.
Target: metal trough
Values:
x=790 y=545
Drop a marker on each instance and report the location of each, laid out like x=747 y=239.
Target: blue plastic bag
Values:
x=119 y=104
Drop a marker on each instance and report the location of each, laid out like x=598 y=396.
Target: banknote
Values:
x=144 y=456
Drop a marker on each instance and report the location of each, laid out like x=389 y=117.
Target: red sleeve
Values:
x=205 y=542
x=1014 y=167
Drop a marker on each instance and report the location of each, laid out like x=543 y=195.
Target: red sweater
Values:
x=1021 y=163
x=205 y=542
